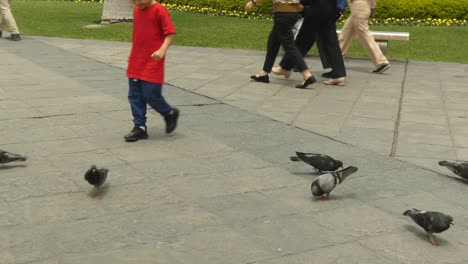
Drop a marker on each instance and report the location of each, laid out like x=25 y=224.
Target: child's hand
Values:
x=158 y=55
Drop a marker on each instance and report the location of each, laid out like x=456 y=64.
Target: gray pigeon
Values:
x=431 y=222
x=320 y=162
x=459 y=168
x=324 y=184
x=6 y=157
x=96 y=177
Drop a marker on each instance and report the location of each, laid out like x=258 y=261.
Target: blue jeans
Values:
x=141 y=93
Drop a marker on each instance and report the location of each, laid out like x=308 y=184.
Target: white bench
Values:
x=382 y=38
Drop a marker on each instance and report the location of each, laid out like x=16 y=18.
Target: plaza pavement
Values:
x=221 y=189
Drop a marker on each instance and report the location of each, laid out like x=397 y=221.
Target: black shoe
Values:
x=14 y=37
x=1 y=32
x=263 y=78
x=171 y=120
x=307 y=82
x=137 y=133
x=382 y=68
x=327 y=74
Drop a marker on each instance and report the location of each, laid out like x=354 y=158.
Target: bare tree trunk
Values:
x=116 y=11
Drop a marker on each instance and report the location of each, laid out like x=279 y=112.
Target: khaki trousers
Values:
x=357 y=25
x=6 y=17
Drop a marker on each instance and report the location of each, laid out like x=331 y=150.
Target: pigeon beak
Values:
x=452 y=223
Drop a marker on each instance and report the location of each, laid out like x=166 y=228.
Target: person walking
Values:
x=8 y=21
x=153 y=33
x=358 y=25
x=319 y=23
x=285 y=15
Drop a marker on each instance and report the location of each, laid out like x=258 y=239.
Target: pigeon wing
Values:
x=319 y=161
x=439 y=221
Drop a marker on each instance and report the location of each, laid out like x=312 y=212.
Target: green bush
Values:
x=227 y=5
x=422 y=9
x=419 y=9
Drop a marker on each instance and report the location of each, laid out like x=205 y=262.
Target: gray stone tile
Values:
x=421 y=150
x=280 y=234
x=337 y=254
x=411 y=246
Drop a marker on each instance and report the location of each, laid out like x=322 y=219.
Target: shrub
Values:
x=420 y=9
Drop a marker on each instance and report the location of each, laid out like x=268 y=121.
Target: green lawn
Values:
x=66 y=19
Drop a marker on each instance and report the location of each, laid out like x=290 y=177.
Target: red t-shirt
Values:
x=150 y=26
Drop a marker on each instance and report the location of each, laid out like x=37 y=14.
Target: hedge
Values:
x=419 y=9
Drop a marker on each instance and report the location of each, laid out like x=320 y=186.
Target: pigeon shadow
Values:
x=11 y=166
x=421 y=234
x=460 y=180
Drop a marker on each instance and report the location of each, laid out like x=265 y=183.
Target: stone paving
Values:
x=221 y=189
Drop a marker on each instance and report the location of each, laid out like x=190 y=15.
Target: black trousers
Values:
x=322 y=25
x=282 y=35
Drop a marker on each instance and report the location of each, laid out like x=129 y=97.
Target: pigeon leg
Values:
x=94 y=193
x=324 y=197
x=434 y=242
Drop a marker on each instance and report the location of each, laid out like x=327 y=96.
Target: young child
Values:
x=153 y=33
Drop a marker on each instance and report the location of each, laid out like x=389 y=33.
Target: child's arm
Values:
x=161 y=52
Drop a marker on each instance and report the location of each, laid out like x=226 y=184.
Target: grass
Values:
x=66 y=19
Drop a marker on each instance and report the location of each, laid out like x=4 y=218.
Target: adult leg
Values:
x=305 y=39
x=10 y=22
x=273 y=46
x=285 y=23
x=332 y=47
x=323 y=51
x=361 y=25
x=348 y=33
x=285 y=35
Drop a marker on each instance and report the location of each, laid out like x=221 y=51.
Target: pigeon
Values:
x=431 y=222
x=325 y=183
x=6 y=157
x=96 y=177
x=459 y=168
x=320 y=162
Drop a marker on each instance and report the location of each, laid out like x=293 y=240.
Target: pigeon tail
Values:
x=6 y=157
x=344 y=173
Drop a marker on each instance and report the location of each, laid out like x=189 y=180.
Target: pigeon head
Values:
x=443 y=163
x=339 y=163
x=451 y=219
x=407 y=212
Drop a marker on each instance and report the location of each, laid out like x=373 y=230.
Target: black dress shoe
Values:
x=264 y=78
x=382 y=68
x=327 y=74
x=307 y=82
x=14 y=37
